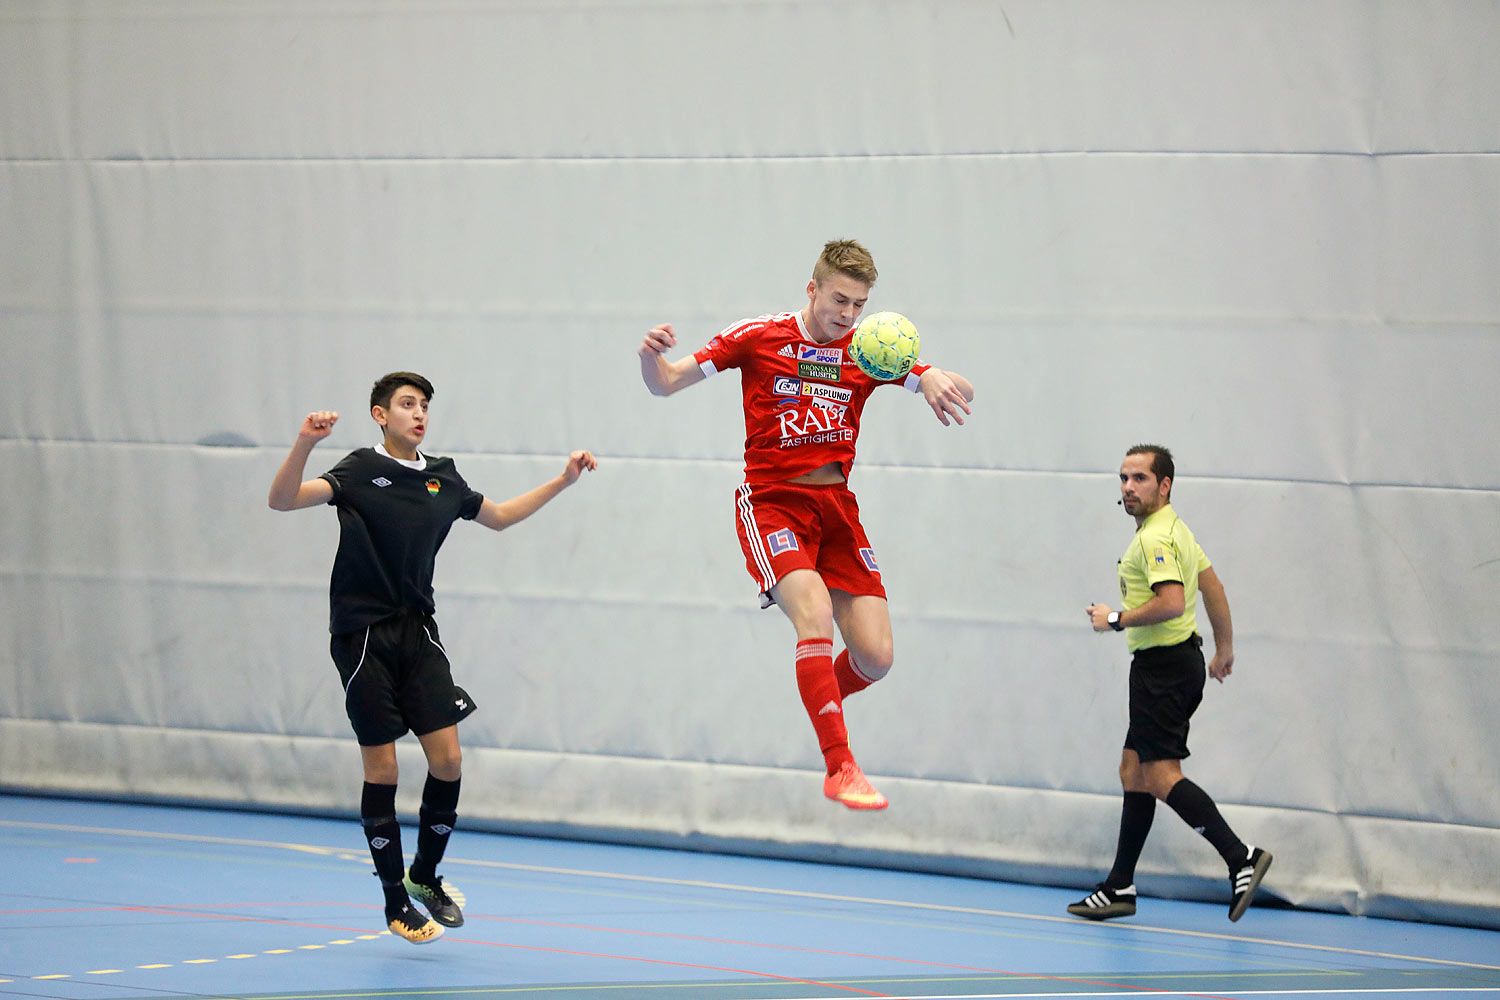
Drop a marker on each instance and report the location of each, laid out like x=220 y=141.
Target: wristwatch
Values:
x=1114 y=621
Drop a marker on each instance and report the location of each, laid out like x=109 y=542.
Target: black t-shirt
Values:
x=392 y=521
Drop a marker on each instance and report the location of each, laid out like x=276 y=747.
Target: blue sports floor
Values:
x=102 y=900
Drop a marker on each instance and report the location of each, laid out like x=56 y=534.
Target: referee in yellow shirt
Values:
x=1161 y=575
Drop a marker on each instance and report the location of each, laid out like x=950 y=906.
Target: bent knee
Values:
x=873 y=665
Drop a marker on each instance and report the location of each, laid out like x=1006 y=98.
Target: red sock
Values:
x=820 y=696
x=849 y=680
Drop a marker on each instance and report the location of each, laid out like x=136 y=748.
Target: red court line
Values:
x=524 y=947
x=1040 y=977
x=734 y=942
x=681 y=965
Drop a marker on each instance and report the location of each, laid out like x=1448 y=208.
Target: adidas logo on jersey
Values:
x=787 y=352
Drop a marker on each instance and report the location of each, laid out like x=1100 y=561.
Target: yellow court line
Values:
x=487 y=990
x=1022 y=977
x=202 y=961
x=762 y=890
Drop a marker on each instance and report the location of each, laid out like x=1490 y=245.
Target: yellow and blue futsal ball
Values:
x=885 y=345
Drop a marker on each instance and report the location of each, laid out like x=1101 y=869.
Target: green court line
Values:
x=762 y=890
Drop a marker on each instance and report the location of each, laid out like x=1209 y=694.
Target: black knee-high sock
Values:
x=1199 y=812
x=1136 y=814
x=377 y=814
x=438 y=814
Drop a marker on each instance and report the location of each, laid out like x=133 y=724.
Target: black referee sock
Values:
x=1136 y=814
x=377 y=814
x=438 y=814
x=1199 y=812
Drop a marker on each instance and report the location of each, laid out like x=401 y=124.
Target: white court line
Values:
x=1148 y=992
x=826 y=896
x=978 y=911
x=197 y=838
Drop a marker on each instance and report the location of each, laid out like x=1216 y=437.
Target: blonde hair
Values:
x=845 y=257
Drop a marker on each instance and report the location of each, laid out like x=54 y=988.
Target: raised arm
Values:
x=288 y=490
x=661 y=376
x=500 y=516
x=948 y=393
x=1216 y=604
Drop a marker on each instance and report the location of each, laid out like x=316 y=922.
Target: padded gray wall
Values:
x=1262 y=233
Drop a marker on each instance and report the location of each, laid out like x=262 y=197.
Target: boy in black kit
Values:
x=395 y=507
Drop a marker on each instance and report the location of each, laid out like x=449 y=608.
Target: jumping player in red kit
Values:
x=798 y=521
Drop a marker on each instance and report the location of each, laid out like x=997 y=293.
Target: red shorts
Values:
x=787 y=526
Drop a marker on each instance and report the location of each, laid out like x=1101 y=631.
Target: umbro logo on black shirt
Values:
x=381 y=481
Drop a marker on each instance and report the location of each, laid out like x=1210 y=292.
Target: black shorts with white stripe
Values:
x=396 y=679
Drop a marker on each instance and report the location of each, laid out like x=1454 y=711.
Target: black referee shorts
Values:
x=396 y=678
x=1166 y=686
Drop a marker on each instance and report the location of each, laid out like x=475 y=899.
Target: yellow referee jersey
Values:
x=1163 y=551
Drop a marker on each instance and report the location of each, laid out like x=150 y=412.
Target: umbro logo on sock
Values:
x=381 y=481
x=832 y=706
x=379 y=843
x=442 y=829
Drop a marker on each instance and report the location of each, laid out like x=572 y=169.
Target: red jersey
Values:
x=802 y=399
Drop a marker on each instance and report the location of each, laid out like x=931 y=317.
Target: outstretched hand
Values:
x=318 y=425
x=944 y=395
x=578 y=461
